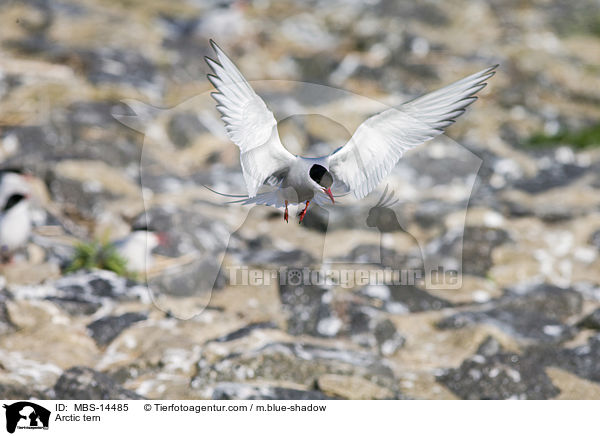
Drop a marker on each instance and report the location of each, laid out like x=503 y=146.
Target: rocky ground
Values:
x=525 y=320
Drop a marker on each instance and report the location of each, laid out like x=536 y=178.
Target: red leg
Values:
x=285 y=215
x=304 y=211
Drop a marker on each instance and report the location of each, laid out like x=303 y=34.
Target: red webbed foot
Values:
x=304 y=211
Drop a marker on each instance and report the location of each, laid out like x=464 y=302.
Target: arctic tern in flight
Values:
x=358 y=167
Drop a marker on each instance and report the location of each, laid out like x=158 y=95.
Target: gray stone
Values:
x=6 y=325
x=388 y=339
x=87 y=291
x=368 y=327
x=595 y=239
x=74 y=196
x=195 y=278
x=293 y=362
x=245 y=331
x=405 y=298
x=239 y=391
x=81 y=383
x=473 y=248
x=183 y=127
x=415 y=299
x=432 y=213
x=303 y=305
x=538 y=314
x=292 y=258
x=112 y=65
x=553 y=177
x=107 y=328
x=378 y=255
x=583 y=360
x=592 y=321
x=494 y=374
x=21 y=392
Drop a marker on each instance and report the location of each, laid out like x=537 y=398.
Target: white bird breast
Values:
x=15 y=226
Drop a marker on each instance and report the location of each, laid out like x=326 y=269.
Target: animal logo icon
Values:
x=26 y=415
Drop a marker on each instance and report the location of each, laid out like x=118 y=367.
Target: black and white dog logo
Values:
x=26 y=415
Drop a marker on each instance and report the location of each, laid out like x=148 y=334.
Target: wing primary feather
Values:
x=214 y=80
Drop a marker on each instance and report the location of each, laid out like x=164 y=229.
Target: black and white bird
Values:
x=15 y=218
x=358 y=167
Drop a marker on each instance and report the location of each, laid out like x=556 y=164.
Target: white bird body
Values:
x=303 y=187
x=136 y=249
x=357 y=167
x=15 y=218
x=15 y=227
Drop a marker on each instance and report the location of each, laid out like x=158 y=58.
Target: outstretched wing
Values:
x=249 y=123
x=379 y=142
x=277 y=199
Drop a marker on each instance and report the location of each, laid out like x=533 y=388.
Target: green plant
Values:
x=586 y=137
x=97 y=255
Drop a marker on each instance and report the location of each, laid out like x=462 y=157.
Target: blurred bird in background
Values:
x=15 y=218
x=136 y=248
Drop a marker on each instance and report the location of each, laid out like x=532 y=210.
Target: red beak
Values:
x=28 y=178
x=163 y=239
x=328 y=192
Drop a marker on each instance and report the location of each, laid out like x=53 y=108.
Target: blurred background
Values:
x=111 y=245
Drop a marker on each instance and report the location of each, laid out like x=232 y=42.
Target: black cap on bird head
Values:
x=13 y=200
x=323 y=177
x=320 y=175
